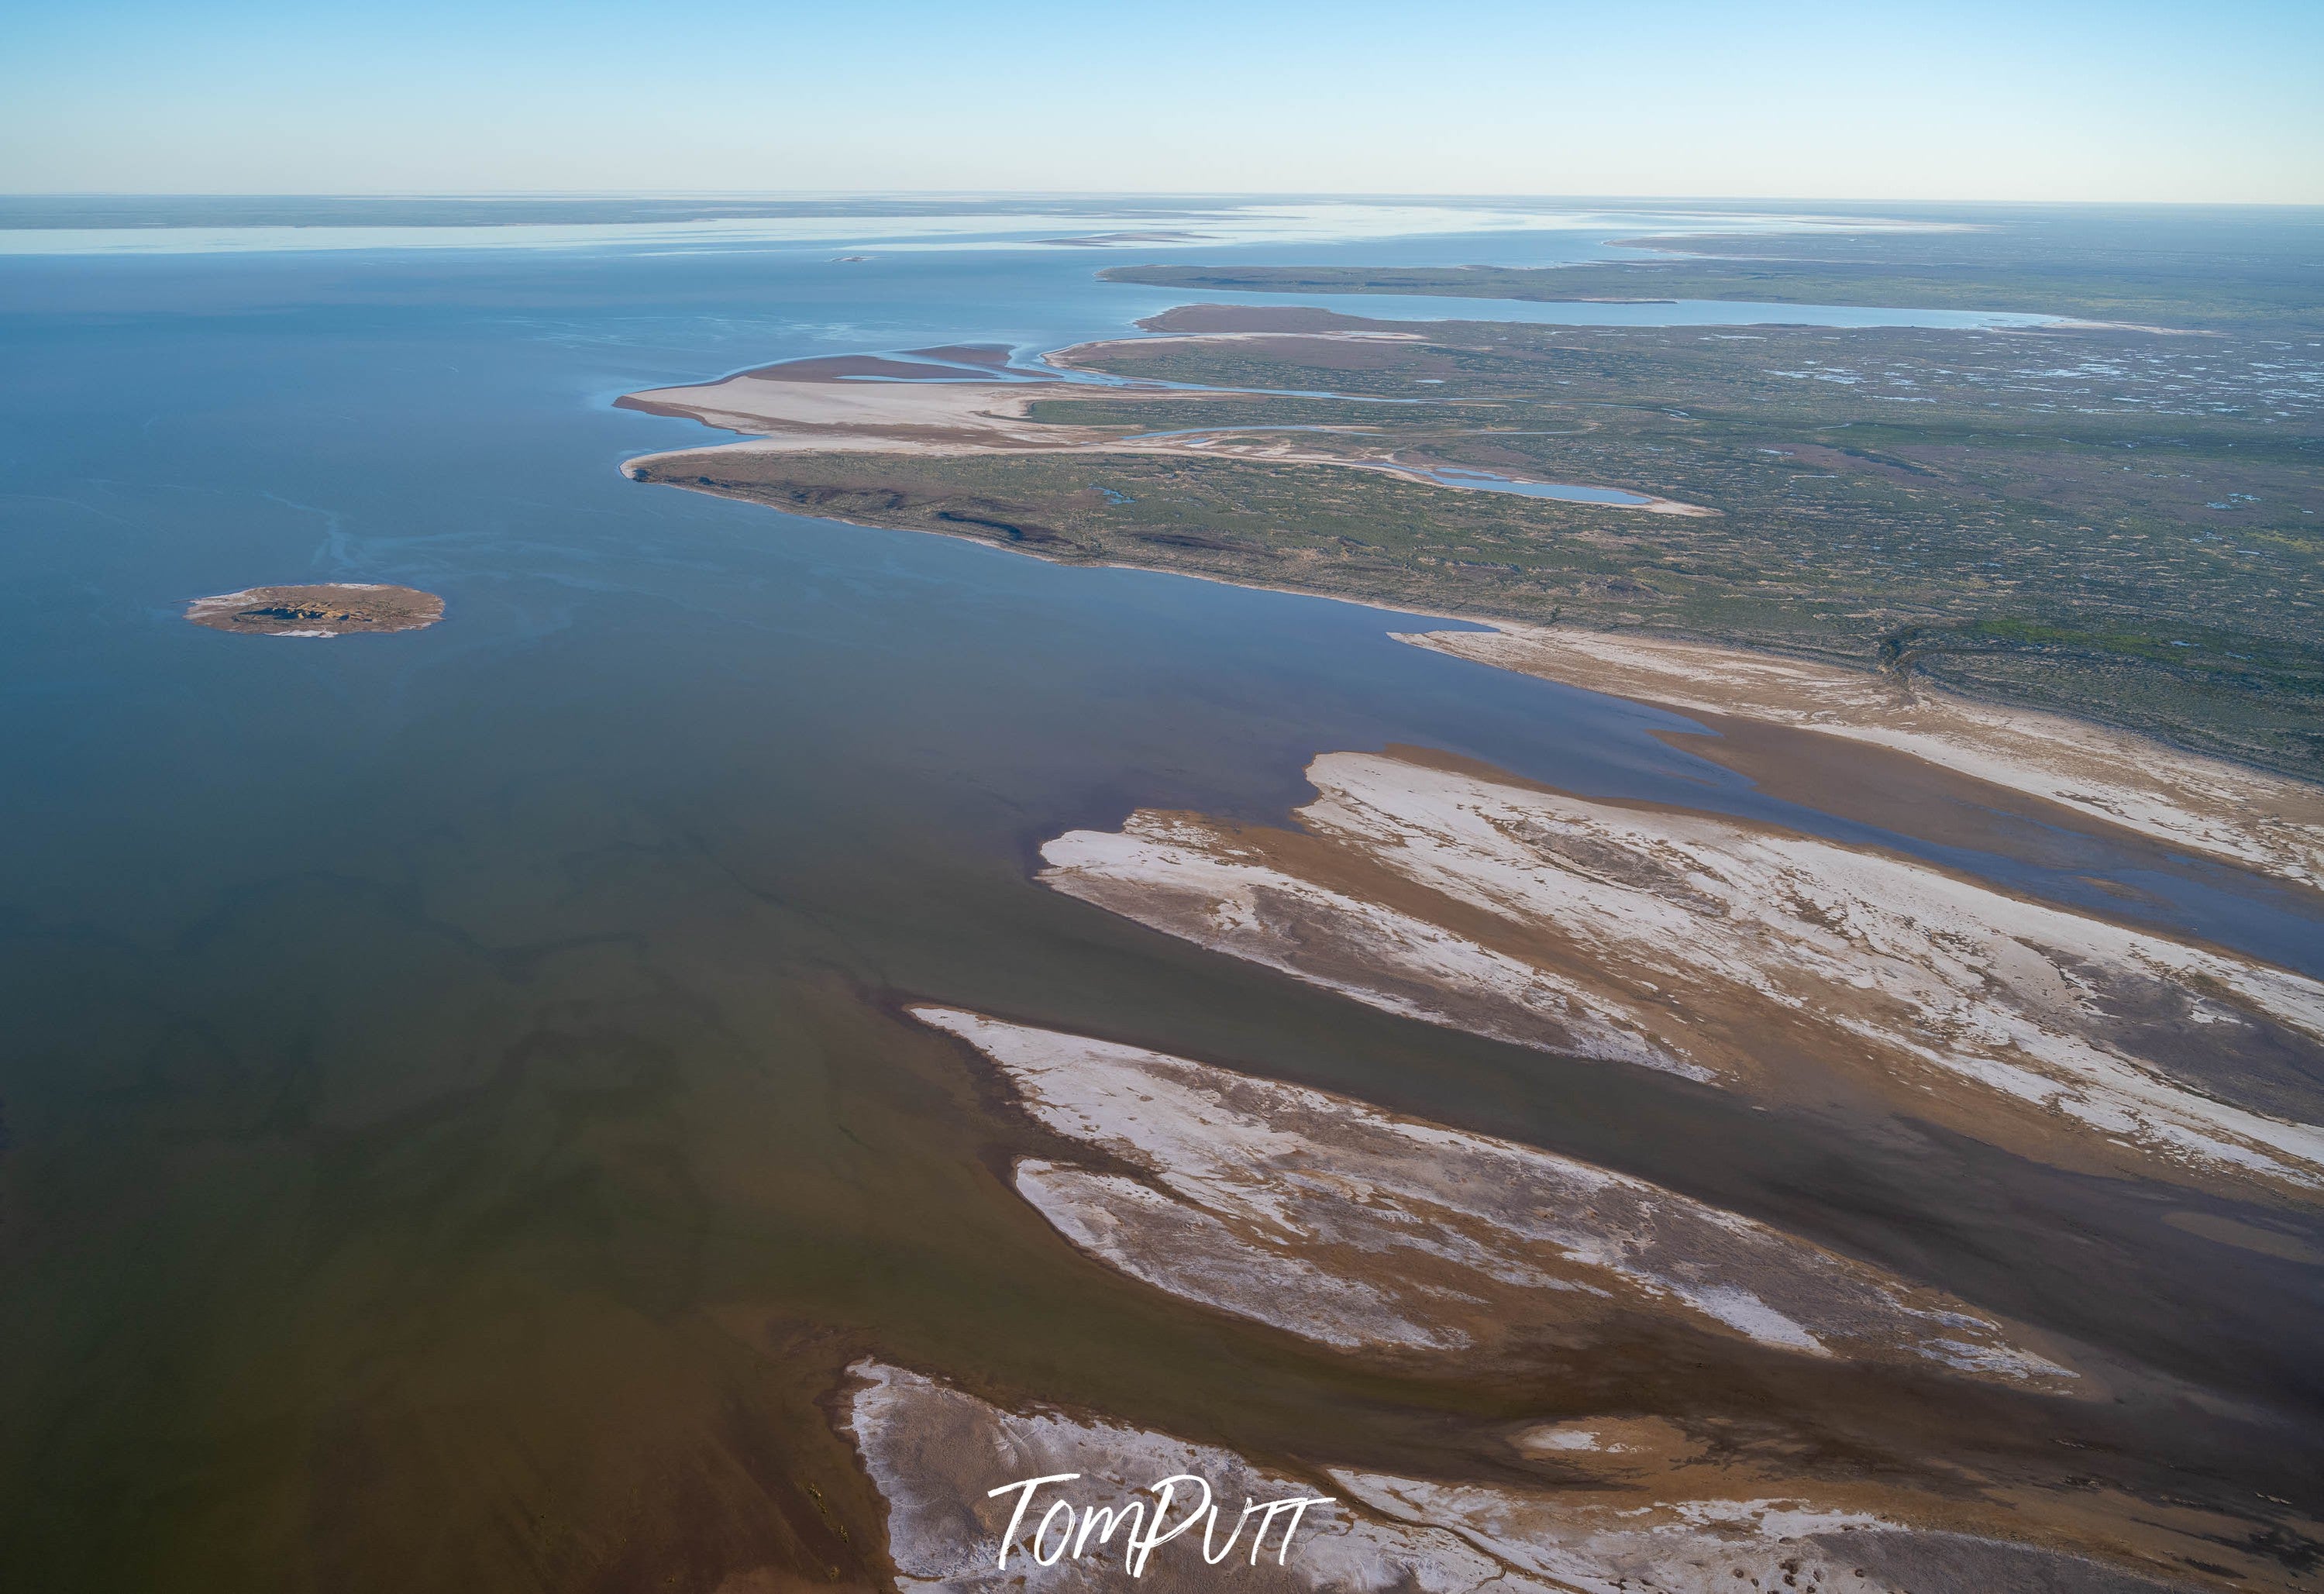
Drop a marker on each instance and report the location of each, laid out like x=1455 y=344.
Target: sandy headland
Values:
x=935 y=402
x=327 y=609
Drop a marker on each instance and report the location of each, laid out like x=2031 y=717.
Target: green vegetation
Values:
x=2268 y=272
x=2115 y=523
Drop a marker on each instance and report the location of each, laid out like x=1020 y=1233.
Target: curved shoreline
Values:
x=898 y=404
x=2079 y=768
x=2043 y=768
x=2286 y=850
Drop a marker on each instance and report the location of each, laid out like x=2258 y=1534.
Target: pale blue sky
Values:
x=2077 y=101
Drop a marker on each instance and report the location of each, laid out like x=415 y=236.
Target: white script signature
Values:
x=1141 y=1535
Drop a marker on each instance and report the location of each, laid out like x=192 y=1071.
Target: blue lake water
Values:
x=1569 y=492
x=358 y=988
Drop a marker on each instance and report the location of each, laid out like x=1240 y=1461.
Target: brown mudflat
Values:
x=329 y=609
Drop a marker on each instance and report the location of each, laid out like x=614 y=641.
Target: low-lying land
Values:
x=2115 y=524
x=955 y=401
x=2254 y=276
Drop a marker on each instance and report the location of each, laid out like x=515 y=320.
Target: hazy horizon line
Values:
x=1250 y=196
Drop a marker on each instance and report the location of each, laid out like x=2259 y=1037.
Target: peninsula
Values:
x=2103 y=522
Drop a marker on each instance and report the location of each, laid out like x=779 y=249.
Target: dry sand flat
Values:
x=916 y=409
x=1762 y=960
x=934 y=1451
x=1329 y=1218
x=2265 y=822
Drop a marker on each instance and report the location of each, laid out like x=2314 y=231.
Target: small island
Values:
x=327 y=609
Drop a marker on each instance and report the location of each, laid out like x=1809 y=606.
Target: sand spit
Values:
x=889 y=404
x=2265 y=822
x=1765 y=960
x=871 y=404
x=324 y=609
x=1329 y=1218
x=935 y=1451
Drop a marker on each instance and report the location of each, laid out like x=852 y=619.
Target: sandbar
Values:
x=1746 y=957
x=2076 y=770
x=1334 y=1220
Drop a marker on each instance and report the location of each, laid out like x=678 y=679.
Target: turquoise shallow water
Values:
x=354 y=986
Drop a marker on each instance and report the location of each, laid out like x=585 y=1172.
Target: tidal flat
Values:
x=1733 y=955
